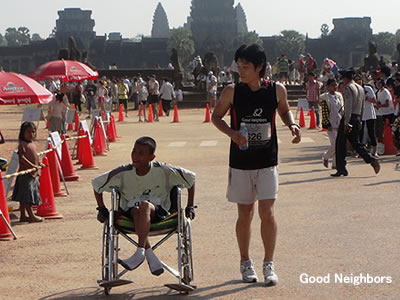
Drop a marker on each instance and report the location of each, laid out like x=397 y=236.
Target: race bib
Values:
x=259 y=134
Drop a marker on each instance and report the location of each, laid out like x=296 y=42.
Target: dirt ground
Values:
x=328 y=227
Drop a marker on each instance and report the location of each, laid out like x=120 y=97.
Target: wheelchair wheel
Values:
x=187 y=262
x=108 y=257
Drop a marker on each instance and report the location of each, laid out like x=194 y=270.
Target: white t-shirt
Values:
x=167 y=91
x=154 y=187
x=369 y=109
x=382 y=97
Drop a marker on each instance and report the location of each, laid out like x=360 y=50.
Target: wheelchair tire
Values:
x=107 y=251
x=187 y=261
x=104 y=253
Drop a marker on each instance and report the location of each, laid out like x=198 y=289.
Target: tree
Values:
x=386 y=42
x=1 y=39
x=36 y=37
x=181 y=40
x=53 y=33
x=291 y=43
x=398 y=36
x=12 y=37
x=324 y=30
x=247 y=38
x=24 y=36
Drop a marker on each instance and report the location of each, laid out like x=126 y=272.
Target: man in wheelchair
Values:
x=144 y=187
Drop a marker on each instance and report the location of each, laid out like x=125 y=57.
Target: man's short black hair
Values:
x=330 y=81
x=254 y=54
x=147 y=141
x=311 y=73
x=347 y=73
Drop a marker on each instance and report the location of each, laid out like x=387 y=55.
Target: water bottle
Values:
x=243 y=130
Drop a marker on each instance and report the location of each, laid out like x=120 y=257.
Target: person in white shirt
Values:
x=384 y=109
x=331 y=106
x=167 y=95
x=367 y=133
x=212 y=87
x=144 y=186
x=154 y=95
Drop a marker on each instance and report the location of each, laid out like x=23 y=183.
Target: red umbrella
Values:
x=20 y=89
x=65 y=70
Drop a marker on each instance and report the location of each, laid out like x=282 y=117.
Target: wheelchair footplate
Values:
x=186 y=288
x=113 y=283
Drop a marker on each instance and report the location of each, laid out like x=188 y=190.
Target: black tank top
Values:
x=258 y=110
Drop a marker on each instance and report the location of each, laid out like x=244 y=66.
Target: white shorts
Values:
x=248 y=186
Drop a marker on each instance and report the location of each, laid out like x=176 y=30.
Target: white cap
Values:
x=210 y=73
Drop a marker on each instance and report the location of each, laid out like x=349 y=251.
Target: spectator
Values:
x=167 y=94
x=313 y=88
x=331 y=106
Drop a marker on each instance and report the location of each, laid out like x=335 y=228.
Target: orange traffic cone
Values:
x=302 y=122
x=176 y=117
x=150 y=115
x=99 y=144
x=160 y=111
x=54 y=172
x=66 y=163
x=114 y=126
x=48 y=208
x=313 y=123
x=121 y=115
x=5 y=234
x=87 y=154
x=76 y=121
x=110 y=132
x=390 y=148
x=208 y=117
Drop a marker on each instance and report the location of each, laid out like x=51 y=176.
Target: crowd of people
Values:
x=108 y=94
x=379 y=93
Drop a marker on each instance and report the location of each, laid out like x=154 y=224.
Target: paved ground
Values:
x=327 y=226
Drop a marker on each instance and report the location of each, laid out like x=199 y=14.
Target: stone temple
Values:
x=214 y=24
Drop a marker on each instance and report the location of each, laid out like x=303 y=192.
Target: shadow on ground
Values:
x=158 y=292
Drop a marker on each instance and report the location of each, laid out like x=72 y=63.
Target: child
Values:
x=144 y=186
x=143 y=94
x=26 y=189
x=101 y=95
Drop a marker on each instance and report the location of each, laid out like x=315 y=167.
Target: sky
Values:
x=134 y=17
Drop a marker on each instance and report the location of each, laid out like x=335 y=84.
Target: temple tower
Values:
x=241 y=19
x=160 y=23
x=77 y=23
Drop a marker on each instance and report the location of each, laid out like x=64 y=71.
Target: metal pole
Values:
x=8 y=225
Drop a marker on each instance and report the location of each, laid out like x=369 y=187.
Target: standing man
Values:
x=283 y=69
x=123 y=92
x=253 y=173
x=154 y=95
x=167 y=94
x=212 y=87
x=91 y=90
x=350 y=124
x=313 y=88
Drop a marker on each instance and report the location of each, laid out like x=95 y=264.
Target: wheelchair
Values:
x=176 y=223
